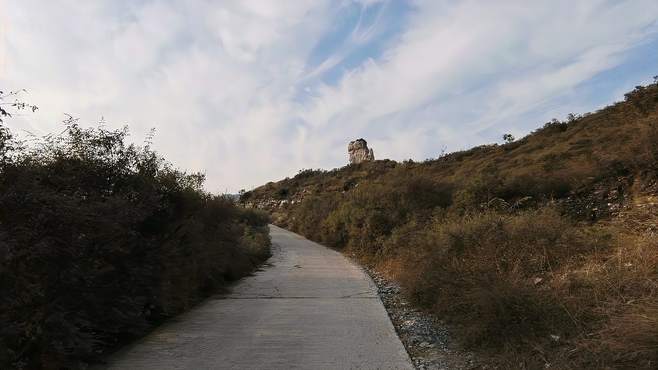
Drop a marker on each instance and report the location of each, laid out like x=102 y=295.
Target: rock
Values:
x=425 y=339
x=359 y=152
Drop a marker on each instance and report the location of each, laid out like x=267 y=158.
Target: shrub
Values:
x=100 y=240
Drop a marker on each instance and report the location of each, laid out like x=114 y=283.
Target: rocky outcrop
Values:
x=359 y=151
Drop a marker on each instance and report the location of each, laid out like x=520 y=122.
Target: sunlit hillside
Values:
x=540 y=250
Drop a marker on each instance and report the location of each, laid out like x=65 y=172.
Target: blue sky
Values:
x=253 y=91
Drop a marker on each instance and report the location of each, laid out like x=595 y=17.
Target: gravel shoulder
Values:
x=426 y=339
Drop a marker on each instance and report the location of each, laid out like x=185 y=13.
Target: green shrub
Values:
x=101 y=240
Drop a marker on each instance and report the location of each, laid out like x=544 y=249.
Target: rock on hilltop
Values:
x=359 y=151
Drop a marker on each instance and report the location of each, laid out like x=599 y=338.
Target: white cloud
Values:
x=506 y=57
x=229 y=89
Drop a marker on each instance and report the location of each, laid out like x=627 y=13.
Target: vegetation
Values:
x=539 y=252
x=101 y=240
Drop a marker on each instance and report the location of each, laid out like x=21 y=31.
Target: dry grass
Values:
x=533 y=288
x=539 y=252
x=623 y=292
x=633 y=337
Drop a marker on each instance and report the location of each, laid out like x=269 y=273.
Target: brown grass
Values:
x=539 y=252
x=534 y=288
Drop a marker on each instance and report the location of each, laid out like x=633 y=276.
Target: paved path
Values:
x=309 y=308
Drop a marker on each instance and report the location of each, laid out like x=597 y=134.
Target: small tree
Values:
x=572 y=117
x=508 y=138
x=7 y=142
x=16 y=104
x=243 y=196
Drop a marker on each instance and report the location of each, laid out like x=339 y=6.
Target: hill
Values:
x=539 y=252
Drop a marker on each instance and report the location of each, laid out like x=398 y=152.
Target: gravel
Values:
x=425 y=337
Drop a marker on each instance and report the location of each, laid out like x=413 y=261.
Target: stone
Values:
x=359 y=151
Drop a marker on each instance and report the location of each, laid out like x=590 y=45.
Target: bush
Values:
x=481 y=271
x=101 y=240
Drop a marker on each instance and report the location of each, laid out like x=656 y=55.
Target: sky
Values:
x=253 y=91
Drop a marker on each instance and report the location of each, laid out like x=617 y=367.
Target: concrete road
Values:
x=309 y=308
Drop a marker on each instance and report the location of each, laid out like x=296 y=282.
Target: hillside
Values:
x=539 y=252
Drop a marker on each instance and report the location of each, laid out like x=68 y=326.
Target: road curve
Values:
x=309 y=308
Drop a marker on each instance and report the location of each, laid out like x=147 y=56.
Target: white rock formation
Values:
x=359 y=151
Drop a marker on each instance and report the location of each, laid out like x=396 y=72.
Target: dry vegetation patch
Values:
x=540 y=252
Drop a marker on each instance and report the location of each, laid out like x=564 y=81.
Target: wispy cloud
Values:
x=252 y=91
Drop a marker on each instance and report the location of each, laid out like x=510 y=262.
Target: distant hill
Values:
x=559 y=159
x=550 y=236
